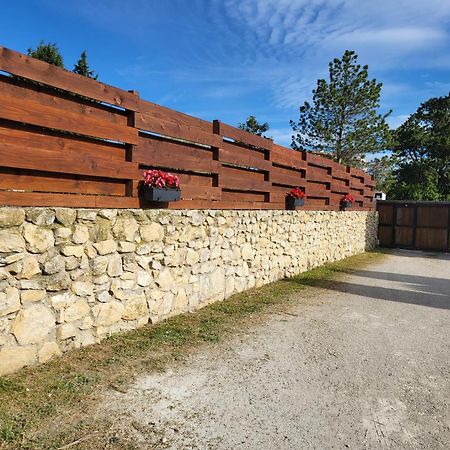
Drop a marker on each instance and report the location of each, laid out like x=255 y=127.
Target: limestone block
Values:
x=32 y=295
x=115 y=267
x=9 y=301
x=66 y=216
x=83 y=288
x=76 y=310
x=48 y=351
x=99 y=265
x=11 y=241
x=143 y=278
x=87 y=214
x=65 y=331
x=10 y=217
x=14 y=358
x=38 y=240
x=135 y=308
x=40 y=216
x=125 y=229
x=107 y=314
x=73 y=250
x=106 y=247
x=152 y=232
x=33 y=324
x=80 y=234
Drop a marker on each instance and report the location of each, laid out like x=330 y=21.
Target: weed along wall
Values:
x=71 y=277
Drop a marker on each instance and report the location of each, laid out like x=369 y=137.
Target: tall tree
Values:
x=253 y=126
x=383 y=170
x=82 y=67
x=342 y=120
x=48 y=53
x=422 y=146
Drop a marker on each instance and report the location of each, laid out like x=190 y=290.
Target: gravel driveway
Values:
x=365 y=365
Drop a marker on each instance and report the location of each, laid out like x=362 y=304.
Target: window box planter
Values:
x=153 y=194
x=292 y=202
x=346 y=205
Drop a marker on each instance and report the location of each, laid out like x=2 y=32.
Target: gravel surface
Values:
x=364 y=365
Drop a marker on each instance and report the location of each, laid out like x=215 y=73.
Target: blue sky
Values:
x=227 y=59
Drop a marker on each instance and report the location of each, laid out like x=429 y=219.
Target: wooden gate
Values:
x=414 y=225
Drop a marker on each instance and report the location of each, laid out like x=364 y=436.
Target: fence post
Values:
x=132 y=185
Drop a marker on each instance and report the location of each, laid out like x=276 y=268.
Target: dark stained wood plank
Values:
x=176 y=129
x=8 y=198
x=30 y=158
x=39 y=138
x=286 y=177
x=287 y=157
x=238 y=196
x=234 y=154
x=158 y=153
x=27 y=111
x=22 y=180
x=61 y=100
x=239 y=135
x=27 y=67
x=162 y=114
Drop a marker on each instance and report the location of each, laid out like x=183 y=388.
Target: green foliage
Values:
x=342 y=120
x=82 y=67
x=383 y=170
x=253 y=126
x=48 y=53
x=422 y=147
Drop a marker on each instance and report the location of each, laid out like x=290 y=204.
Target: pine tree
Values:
x=342 y=120
x=82 y=67
x=48 y=53
x=251 y=125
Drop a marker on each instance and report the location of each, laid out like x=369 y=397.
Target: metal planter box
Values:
x=292 y=202
x=152 y=194
x=346 y=205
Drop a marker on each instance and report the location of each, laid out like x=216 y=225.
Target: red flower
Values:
x=347 y=198
x=159 y=179
x=297 y=193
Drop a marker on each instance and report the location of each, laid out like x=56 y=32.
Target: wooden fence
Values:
x=414 y=225
x=67 y=140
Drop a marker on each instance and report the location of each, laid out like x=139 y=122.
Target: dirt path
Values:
x=365 y=365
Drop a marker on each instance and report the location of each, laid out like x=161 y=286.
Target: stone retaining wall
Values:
x=71 y=277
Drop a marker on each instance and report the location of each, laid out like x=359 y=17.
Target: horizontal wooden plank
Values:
x=176 y=129
x=240 y=196
x=241 y=136
x=35 y=92
x=241 y=156
x=27 y=136
x=32 y=112
x=166 y=114
x=286 y=177
x=8 y=198
x=319 y=161
x=201 y=204
x=18 y=179
x=34 y=69
x=318 y=175
x=192 y=192
x=288 y=157
x=18 y=157
x=158 y=153
x=340 y=174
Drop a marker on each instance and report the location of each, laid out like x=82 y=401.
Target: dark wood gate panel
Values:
x=414 y=225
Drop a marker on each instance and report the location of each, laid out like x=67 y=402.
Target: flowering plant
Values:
x=297 y=193
x=347 y=198
x=159 y=179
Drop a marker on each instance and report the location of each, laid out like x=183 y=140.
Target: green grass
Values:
x=51 y=405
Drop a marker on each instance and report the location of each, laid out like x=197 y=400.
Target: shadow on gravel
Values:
x=427 y=291
x=415 y=254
